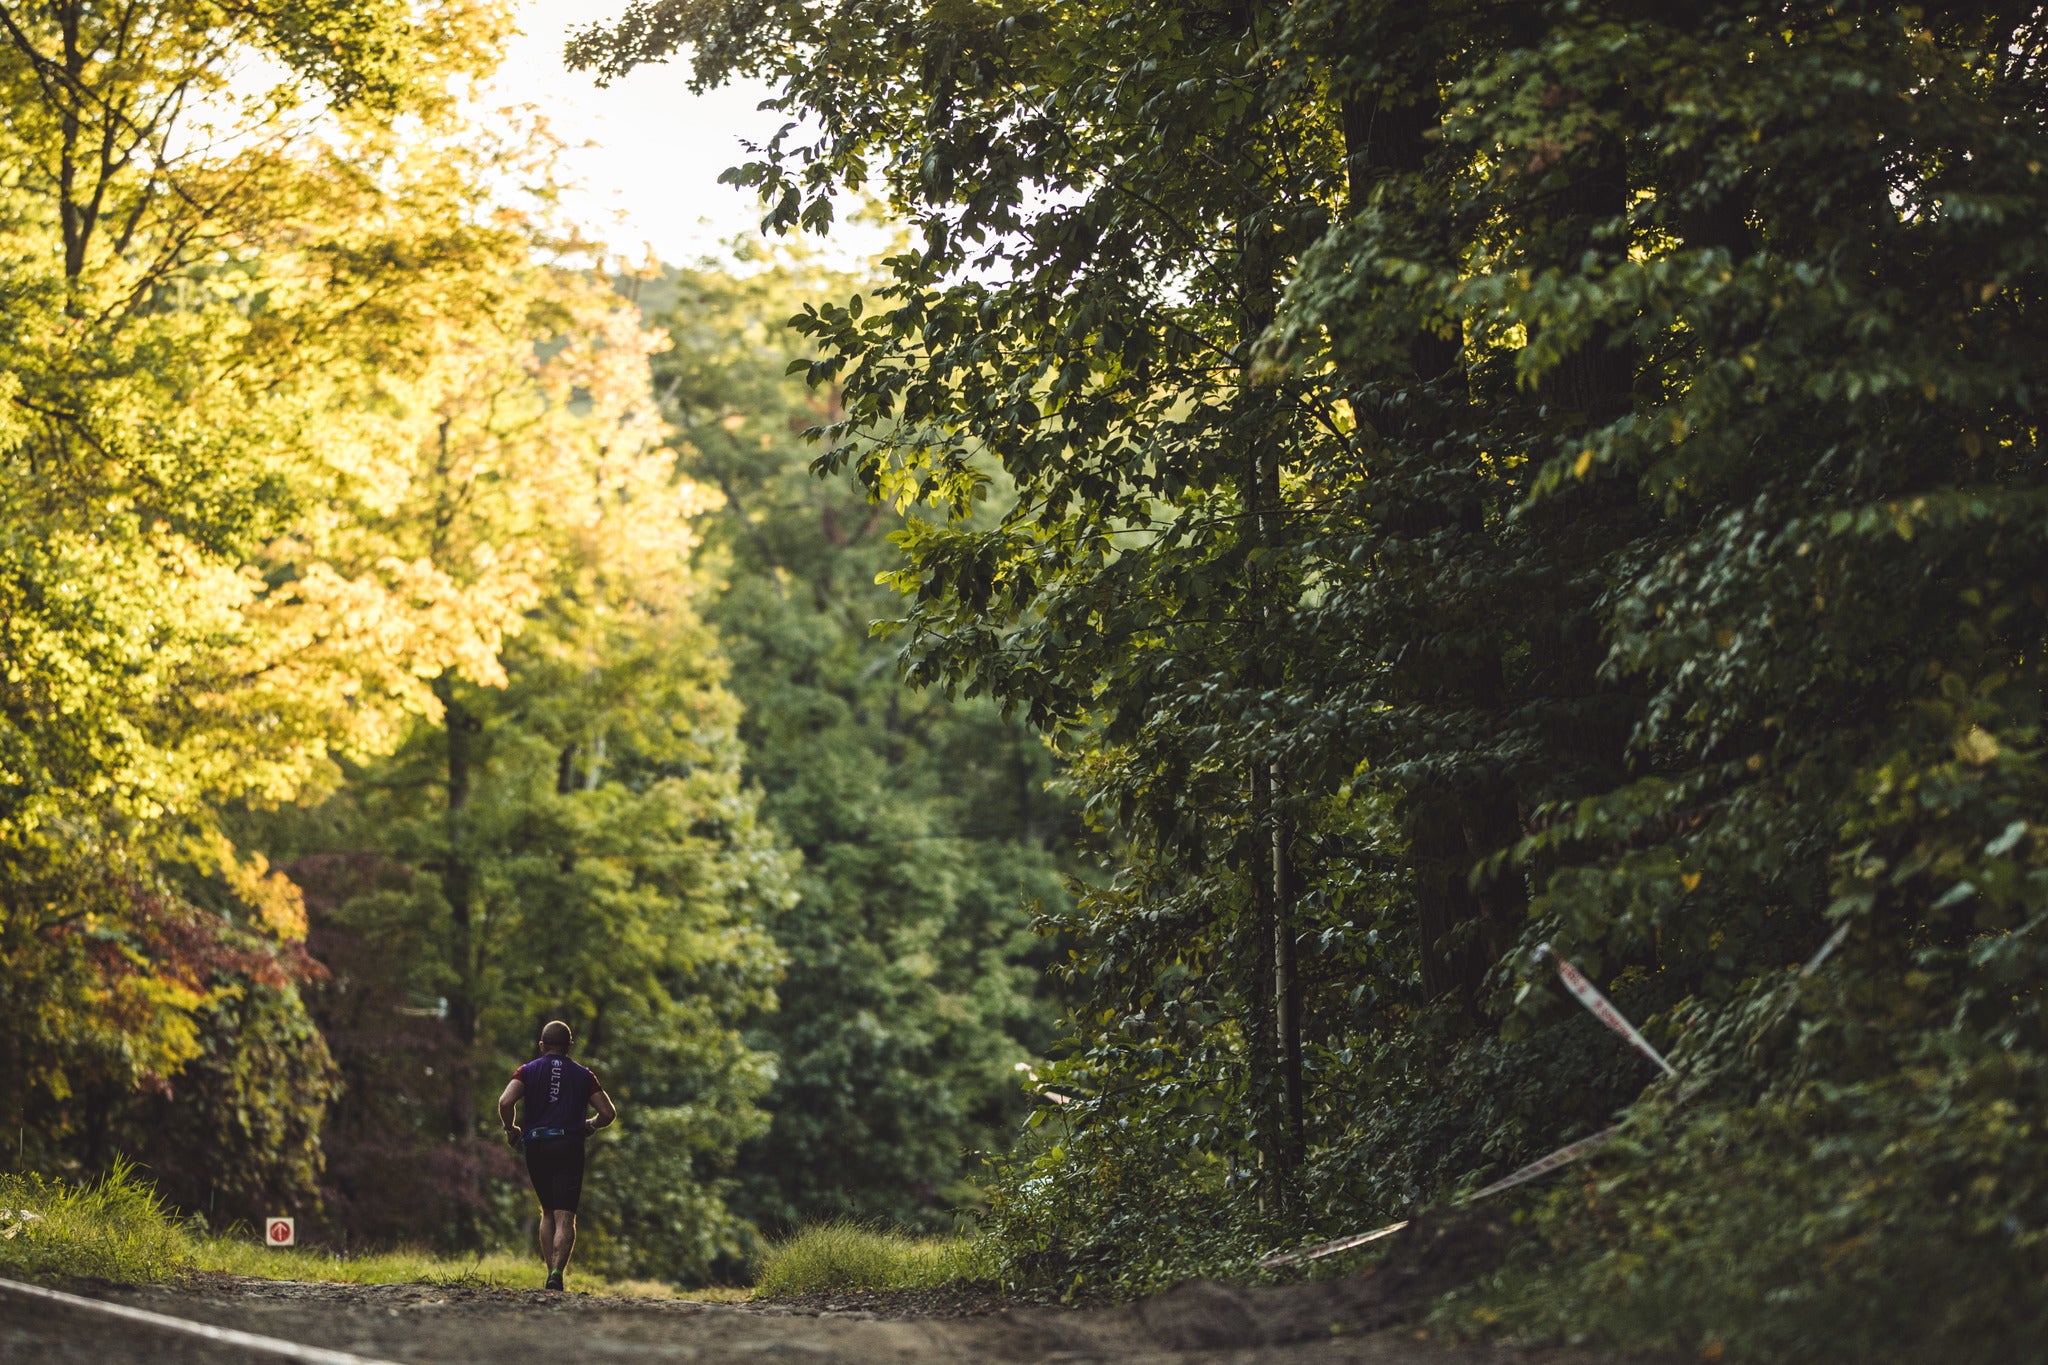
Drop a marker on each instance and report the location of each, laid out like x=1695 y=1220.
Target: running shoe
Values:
x=555 y=1280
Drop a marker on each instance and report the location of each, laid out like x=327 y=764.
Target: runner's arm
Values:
x=513 y=1091
x=607 y=1112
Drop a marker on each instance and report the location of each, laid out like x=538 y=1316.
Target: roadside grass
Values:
x=838 y=1256
x=117 y=1229
x=112 y=1229
x=231 y=1255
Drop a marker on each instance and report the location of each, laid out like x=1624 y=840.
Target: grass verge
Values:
x=117 y=1229
x=838 y=1256
x=493 y=1270
x=113 y=1229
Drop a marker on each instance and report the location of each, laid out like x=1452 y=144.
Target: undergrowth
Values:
x=838 y=1256
x=232 y=1255
x=1844 y=1225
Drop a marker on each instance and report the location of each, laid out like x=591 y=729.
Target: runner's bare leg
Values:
x=565 y=1238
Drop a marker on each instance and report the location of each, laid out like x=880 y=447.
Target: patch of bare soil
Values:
x=964 y=1300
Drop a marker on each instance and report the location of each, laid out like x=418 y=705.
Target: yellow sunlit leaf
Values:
x=1978 y=747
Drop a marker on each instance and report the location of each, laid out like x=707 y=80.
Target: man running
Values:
x=557 y=1091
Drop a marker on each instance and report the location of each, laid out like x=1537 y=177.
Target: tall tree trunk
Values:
x=1591 y=717
x=1594 y=380
x=1592 y=386
x=1271 y=813
x=1277 y=1010
x=1384 y=138
x=1275 y=1026
x=1286 y=963
x=458 y=888
x=1263 y=1035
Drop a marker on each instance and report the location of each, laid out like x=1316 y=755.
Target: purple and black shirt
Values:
x=558 y=1093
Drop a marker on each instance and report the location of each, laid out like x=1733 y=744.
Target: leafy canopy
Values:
x=1484 y=475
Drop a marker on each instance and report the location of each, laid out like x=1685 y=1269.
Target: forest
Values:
x=1112 y=729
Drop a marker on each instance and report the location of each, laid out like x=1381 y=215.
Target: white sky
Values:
x=651 y=175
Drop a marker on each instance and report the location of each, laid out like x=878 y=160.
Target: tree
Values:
x=625 y=891
x=925 y=831
x=1486 y=476
x=1082 y=324
x=573 y=840
x=189 y=266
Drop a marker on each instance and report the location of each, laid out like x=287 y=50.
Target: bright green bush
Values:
x=118 y=1229
x=521 y=1269
x=835 y=1256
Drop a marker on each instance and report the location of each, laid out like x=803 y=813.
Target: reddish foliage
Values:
x=392 y=1166
x=181 y=942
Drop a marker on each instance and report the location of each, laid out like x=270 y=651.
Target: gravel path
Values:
x=463 y=1325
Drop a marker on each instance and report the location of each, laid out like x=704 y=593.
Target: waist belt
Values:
x=542 y=1134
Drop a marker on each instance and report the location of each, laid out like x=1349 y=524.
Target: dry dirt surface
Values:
x=461 y=1325
x=1368 y=1319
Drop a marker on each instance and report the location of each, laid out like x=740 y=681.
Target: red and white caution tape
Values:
x=1603 y=1009
x=1826 y=950
x=1784 y=1006
x=205 y=1331
x=1542 y=1166
x=1322 y=1249
x=1563 y=1156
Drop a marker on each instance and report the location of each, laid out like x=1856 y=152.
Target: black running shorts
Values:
x=555 y=1165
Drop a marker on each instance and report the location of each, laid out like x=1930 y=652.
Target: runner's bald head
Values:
x=556 y=1036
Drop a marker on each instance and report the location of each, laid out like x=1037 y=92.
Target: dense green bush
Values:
x=921 y=827
x=1906 y=1230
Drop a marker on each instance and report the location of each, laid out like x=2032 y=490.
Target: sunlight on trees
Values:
x=1399 y=485
x=303 y=426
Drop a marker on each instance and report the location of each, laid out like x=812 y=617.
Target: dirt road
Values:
x=464 y=1325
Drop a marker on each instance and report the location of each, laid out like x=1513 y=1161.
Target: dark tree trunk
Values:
x=459 y=890
x=1274 y=1030
x=1591 y=387
x=1263 y=1036
x=1383 y=139
x=1596 y=378
x=1286 y=965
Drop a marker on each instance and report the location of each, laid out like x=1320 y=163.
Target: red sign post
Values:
x=280 y=1232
